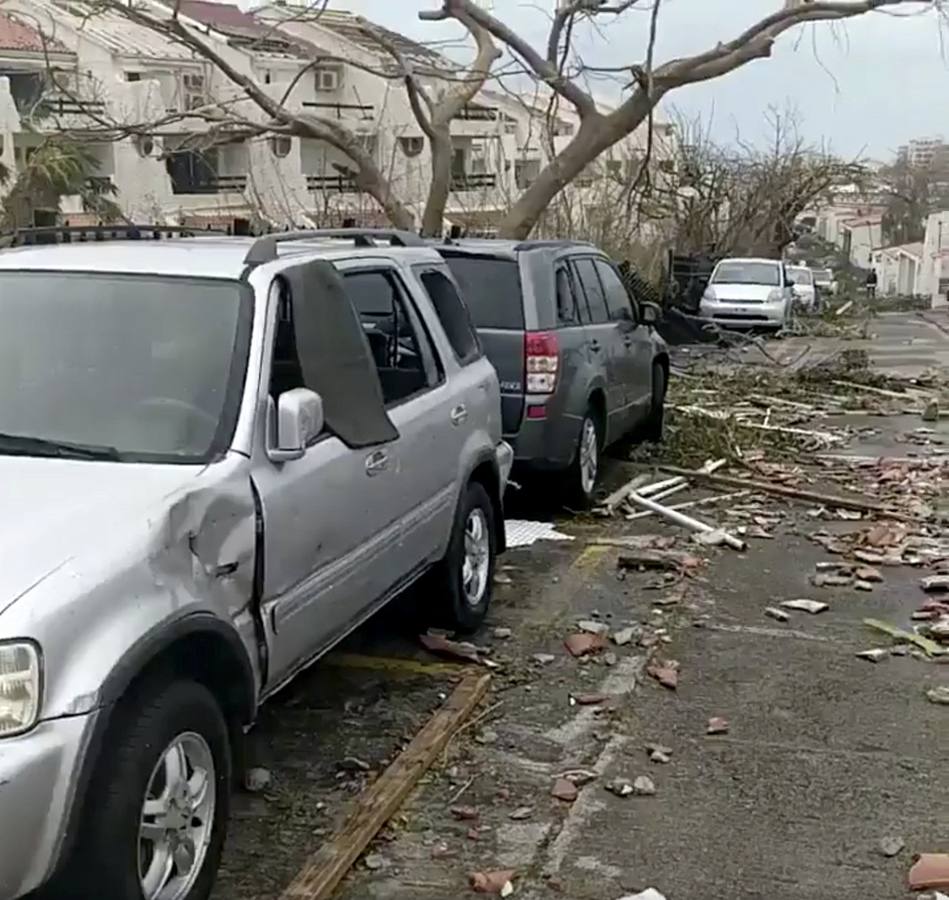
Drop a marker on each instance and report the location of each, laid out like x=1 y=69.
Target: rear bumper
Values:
x=546 y=444
x=744 y=315
x=38 y=774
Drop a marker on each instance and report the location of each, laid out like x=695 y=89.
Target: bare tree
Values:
x=745 y=198
x=649 y=82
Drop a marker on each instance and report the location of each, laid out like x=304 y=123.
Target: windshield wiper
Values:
x=24 y=445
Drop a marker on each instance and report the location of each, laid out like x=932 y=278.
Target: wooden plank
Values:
x=327 y=866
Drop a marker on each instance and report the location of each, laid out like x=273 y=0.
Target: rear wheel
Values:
x=465 y=578
x=585 y=469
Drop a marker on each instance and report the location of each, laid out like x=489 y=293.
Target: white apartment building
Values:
x=119 y=72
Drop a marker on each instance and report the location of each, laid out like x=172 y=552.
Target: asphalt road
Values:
x=826 y=753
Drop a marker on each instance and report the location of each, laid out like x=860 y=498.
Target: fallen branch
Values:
x=687 y=521
x=656 y=489
x=841 y=310
x=825 y=436
x=767 y=487
x=607 y=507
x=882 y=392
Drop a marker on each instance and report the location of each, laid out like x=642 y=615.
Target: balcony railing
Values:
x=469 y=181
x=478 y=114
x=341 y=110
x=222 y=184
x=68 y=106
x=331 y=184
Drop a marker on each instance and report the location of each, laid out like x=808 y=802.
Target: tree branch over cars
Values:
x=649 y=83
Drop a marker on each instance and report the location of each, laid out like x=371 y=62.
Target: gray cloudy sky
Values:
x=884 y=80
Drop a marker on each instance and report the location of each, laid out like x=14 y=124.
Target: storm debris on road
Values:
x=564 y=789
x=666 y=673
x=930 y=870
x=620 y=787
x=583 y=644
x=717 y=725
x=643 y=786
x=461 y=651
x=875 y=655
x=257 y=779
x=465 y=813
x=659 y=753
x=773 y=612
x=804 y=605
x=891 y=845
x=499 y=882
x=648 y=894
x=939 y=695
x=935 y=584
x=625 y=635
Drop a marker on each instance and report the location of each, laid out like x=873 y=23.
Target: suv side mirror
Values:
x=299 y=419
x=650 y=313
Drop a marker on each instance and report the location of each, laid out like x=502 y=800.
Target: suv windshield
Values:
x=747 y=273
x=491 y=288
x=136 y=368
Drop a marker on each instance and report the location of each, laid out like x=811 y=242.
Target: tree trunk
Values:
x=434 y=215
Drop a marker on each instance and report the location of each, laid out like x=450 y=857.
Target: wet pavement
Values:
x=826 y=753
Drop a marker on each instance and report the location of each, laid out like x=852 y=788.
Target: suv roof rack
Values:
x=552 y=244
x=264 y=249
x=77 y=234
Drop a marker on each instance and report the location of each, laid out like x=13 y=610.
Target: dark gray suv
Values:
x=579 y=361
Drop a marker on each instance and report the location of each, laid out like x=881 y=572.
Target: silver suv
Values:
x=217 y=458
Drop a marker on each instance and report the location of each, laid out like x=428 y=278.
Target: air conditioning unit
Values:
x=193 y=90
x=327 y=80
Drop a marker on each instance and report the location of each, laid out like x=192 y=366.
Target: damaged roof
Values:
x=243 y=29
x=109 y=30
x=24 y=38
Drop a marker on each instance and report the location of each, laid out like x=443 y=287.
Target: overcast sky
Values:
x=865 y=86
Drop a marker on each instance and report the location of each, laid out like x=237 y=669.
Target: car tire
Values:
x=585 y=469
x=465 y=577
x=653 y=427
x=171 y=727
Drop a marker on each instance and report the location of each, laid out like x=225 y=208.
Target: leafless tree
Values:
x=745 y=198
x=649 y=82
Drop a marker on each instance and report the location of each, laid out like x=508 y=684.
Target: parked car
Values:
x=580 y=363
x=825 y=282
x=748 y=293
x=217 y=458
x=803 y=289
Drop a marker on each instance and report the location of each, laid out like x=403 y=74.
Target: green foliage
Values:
x=55 y=169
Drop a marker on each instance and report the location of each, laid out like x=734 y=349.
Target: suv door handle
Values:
x=377 y=462
x=459 y=415
x=628 y=341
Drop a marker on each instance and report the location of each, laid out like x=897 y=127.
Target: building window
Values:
x=411 y=146
x=280 y=145
x=327 y=78
x=133 y=76
x=193 y=90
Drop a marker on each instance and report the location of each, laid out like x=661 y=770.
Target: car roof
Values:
x=196 y=257
x=750 y=259
x=508 y=248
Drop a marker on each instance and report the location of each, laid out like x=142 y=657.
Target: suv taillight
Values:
x=541 y=361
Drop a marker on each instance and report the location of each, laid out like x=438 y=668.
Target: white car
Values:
x=803 y=290
x=748 y=293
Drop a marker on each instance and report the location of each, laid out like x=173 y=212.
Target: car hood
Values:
x=742 y=292
x=53 y=511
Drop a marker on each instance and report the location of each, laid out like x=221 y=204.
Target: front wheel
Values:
x=159 y=799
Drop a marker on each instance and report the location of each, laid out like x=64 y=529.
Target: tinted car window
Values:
x=491 y=288
x=593 y=290
x=568 y=312
x=617 y=300
x=738 y=272
x=453 y=314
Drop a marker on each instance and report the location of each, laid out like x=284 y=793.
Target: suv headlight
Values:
x=19 y=687
x=776 y=296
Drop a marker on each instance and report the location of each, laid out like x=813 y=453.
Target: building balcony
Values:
x=220 y=184
x=331 y=184
x=61 y=105
x=347 y=112
x=474 y=113
x=470 y=181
